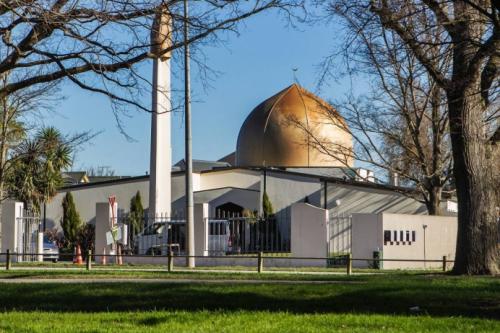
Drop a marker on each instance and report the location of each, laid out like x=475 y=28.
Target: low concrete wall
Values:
x=439 y=240
x=232 y=261
x=414 y=237
x=309 y=237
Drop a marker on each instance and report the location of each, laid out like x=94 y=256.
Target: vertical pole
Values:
x=89 y=260
x=190 y=262
x=7 y=263
x=44 y=217
x=170 y=259
x=349 y=264
x=260 y=262
x=425 y=257
x=325 y=195
x=444 y=263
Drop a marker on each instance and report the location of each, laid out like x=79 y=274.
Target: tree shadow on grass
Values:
x=387 y=298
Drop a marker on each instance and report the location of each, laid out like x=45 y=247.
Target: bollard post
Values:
x=444 y=263
x=7 y=262
x=349 y=264
x=170 y=260
x=260 y=262
x=89 y=260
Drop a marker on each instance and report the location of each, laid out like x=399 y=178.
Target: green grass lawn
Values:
x=369 y=303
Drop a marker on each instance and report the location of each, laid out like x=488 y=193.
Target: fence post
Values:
x=170 y=259
x=444 y=263
x=349 y=264
x=7 y=262
x=89 y=260
x=260 y=262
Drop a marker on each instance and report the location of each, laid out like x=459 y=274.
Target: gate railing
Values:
x=28 y=227
x=153 y=235
x=340 y=234
x=242 y=235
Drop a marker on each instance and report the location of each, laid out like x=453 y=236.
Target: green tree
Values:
x=38 y=167
x=71 y=222
x=267 y=206
x=136 y=214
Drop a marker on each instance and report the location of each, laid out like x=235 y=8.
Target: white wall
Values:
x=440 y=239
x=309 y=231
x=368 y=236
x=249 y=179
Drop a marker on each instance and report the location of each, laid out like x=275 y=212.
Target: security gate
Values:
x=340 y=234
x=28 y=227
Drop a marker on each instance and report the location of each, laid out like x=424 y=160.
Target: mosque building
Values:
x=277 y=153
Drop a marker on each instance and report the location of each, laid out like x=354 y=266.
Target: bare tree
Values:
x=98 y=45
x=468 y=33
x=400 y=127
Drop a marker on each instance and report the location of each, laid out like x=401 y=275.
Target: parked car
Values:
x=50 y=250
x=156 y=238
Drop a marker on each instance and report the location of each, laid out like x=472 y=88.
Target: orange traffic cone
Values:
x=78 y=258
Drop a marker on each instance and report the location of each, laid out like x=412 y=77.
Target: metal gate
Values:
x=28 y=227
x=340 y=234
x=154 y=235
x=239 y=235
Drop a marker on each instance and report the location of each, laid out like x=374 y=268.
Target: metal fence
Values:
x=28 y=228
x=258 y=260
x=340 y=234
x=241 y=235
x=152 y=235
x=228 y=234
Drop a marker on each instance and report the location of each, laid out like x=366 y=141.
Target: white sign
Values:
x=109 y=238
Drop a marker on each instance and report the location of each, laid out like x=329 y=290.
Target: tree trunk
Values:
x=476 y=251
x=433 y=203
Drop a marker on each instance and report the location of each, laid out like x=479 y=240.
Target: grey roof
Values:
x=201 y=165
x=330 y=172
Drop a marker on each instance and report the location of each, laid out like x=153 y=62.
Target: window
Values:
x=408 y=236
x=387 y=236
x=413 y=238
x=395 y=236
x=401 y=236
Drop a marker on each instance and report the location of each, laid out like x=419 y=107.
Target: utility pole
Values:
x=190 y=260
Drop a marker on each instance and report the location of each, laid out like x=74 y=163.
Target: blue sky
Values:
x=253 y=65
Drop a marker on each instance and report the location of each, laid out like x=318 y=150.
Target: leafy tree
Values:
x=267 y=206
x=71 y=222
x=38 y=165
x=136 y=216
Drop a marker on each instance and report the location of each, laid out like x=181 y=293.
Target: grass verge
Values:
x=374 y=303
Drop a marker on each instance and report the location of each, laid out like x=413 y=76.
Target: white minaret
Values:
x=161 y=149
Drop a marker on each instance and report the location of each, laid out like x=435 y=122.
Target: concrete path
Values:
x=119 y=280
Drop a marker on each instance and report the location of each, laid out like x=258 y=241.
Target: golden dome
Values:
x=288 y=129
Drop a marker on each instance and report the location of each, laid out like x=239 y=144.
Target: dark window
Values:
x=408 y=236
x=395 y=236
x=413 y=236
x=401 y=236
x=387 y=235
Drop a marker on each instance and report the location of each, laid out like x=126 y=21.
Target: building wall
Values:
x=368 y=236
x=342 y=198
x=440 y=239
x=249 y=179
x=87 y=196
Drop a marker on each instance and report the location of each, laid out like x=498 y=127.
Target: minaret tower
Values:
x=161 y=149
